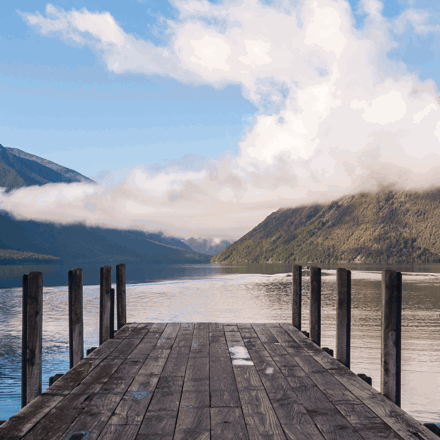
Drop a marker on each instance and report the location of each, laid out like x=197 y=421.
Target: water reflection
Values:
x=241 y=294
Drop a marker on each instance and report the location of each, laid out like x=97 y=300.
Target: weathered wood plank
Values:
x=119 y=432
x=178 y=359
x=126 y=330
x=258 y=412
x=391 y=341
x=401 y=423
x=61 y=417
x=196 y=386
x=143 y=329
x=196 y=381
x=343 y=316
x=228 y=424
x=292 y=415
x=105 y=280
x=76 y=323
x=296 y=295
x=223 y=387
x=18 y=425
x=168 y=336
x=97 y=413
x=160 y=419
x=315 y=305
x=32 y=337
x=264 y=334
x=134 y=404
x=121 y=296
x=193 y=423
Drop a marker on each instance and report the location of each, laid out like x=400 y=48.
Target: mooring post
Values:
x=343 y=312
x=76 y=320
x=315 y=304
x=105 y=303
x=296 y=298
x=112 y=313
x=391 y=335
x=121 y=298
x=32 y=337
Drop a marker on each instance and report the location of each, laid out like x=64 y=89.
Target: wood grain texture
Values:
x=315 y=305
x=391 y=341
x=121 y=296
x=296 y=295
x=211 y=381
x=228 y=424
x=223 y=388
x=343 y=316
x=76 y=321
x=32 y=337
x=105 y=285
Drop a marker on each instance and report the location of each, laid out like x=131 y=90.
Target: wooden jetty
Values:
x=215 y=381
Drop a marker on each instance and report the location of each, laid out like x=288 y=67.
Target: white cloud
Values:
x=417 y=118
x=418 y=19
x=337 y=115
x=385 y=109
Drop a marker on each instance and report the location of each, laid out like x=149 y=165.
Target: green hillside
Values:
x=386 y=227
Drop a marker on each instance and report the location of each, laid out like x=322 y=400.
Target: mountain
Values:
x=385 y=227
x=207 y=246
x=79 y=243
x=30 y=241
x=18 y=169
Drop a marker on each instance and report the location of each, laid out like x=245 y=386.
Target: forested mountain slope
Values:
x=390 y=226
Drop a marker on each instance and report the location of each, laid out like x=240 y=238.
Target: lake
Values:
x=252 y=293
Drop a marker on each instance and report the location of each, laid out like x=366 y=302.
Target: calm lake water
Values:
x=255 y=293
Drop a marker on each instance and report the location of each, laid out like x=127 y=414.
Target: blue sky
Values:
x=169 y=88
x=60 y=101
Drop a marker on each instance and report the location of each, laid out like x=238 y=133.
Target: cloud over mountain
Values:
x=336 y=113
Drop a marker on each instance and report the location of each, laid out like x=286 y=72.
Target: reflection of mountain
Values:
x=18 y=169
x=8 y=256
x=386 y=227
x=207 y=246
x=80 y=243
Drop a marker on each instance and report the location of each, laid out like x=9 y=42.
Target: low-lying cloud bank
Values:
x=336 y=114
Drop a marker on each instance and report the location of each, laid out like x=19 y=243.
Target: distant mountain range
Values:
x=30 y=241
x=207 y=246
x=18 y=169
x=79 y=243
x=386 y=227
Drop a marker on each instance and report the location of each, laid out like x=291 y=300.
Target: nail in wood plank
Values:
x=32 y=337
x=76 y=321
x=343 y=319
x=315 y=304
x=121 y=298
x=105 y=303
x=391 y=335
x=296 y=299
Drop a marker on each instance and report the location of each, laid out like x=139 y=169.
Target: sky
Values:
x=200 y=118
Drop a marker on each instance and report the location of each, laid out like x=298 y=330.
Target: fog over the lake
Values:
x=336 y=115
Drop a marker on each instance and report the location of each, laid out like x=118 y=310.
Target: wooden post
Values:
x=32 y=337
x=391 y=335
x=296 y=299
x=112 y=313
x=105 y=303
x=343 y=312
x=121 y=299
x=76 y=322
x=315 y=304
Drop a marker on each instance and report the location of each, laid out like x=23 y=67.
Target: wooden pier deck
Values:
x=211 y=381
